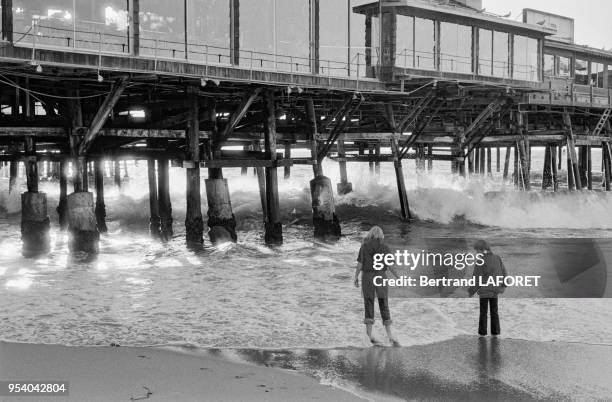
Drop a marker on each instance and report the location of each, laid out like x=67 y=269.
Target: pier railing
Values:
x=154 y=45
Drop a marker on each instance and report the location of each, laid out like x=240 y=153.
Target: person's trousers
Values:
x=485 y=303
x=383 y=305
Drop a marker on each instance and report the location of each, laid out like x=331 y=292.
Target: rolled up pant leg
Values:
x=383 y=305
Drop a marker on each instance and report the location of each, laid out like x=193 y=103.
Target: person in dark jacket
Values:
x=492 y=267
x=373 y=244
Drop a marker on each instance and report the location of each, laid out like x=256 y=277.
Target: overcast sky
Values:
x=591 y=17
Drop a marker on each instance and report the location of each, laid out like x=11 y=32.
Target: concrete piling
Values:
x=324 y=218
x=221 y=219
x=84 y=235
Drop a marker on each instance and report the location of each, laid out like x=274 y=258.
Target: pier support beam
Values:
x=62 y=205
x=273 y=226
x=399 y=175
x=34 y=218
x=547 y=179
x=607 y=165
x=154 y=221
x=194 y=224
x=117 y=173
x=221 y=219
x=572 y=161
x=165 y=205
x=324 y=219
x=100 y=205
x=553 y=165
x=287 y=155
x=344 y=187
x=82 y=223
x=507 y=163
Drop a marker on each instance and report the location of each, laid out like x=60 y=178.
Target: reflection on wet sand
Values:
x=465 y=368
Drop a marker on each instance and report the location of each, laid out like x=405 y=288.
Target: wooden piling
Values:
x=13 y=171
x=261 y=181
x=489 y=168
x=244 y=170
x=583 y=164
x=607 y=164
x=547 y=180
x=117 y=172
x=194 y=223
x=429 y=157
x=497 y=159
x=589 y=167
x=63 y=185
x=154 y=220
x=476 y=160
x=221 y=219
x=100 y=209
x=507 y=162
x=401 y=186
x=377 y=163
x=287 y=155
x=312 y=125
x=571 y=152
x=273 y=227
x=344 y=187
x=554 y=167
x=165 y=204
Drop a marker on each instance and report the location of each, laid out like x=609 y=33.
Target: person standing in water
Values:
x=492 y=267
x=374 y=244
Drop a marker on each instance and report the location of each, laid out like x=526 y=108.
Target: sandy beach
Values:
x=124 y=374
x=462 y=369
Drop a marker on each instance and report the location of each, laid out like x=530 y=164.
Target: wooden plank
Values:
x=102 y=115
x=238 y=114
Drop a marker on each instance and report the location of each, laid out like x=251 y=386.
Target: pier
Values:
x=431 y=81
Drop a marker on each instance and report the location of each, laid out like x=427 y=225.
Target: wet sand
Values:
x=150 y=374
x=462 y=369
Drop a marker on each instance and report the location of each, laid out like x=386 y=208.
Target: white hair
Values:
x=374 y=233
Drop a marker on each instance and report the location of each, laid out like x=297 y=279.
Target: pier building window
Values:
x=105 y=22
x=581 y=72
x=55 y=22
x=357 y=39
x=208 y=31
x=501 y=54
x=162 y=29
x=485 y=52
x=257 y=33
x=455 y=48
x=404 y=54
x=549 y=65
x=425 y=45
x=597 y=74
x=292 y=35
x=564 y=66
x=333 y=37
x=525 y=65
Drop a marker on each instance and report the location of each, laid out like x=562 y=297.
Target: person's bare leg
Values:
x=390 y=335
x=369 y=332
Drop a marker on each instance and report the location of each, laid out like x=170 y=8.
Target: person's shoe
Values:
x=395 y=343
x=375 y=342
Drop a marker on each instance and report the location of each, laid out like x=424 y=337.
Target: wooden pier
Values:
x=77 y=108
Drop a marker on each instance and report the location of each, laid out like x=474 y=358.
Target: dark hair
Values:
x=482 y=245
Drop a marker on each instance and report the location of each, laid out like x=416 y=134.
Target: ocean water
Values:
x=141 y=292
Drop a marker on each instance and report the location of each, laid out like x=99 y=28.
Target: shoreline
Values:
x=462 y=368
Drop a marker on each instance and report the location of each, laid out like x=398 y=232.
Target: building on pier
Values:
x=351 y=80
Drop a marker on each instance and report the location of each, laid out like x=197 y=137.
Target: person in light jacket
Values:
x=492 y=267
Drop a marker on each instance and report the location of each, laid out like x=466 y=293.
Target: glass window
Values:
x=375 y=46
x=549 y=65
x=455 y=48
x=358 y=34
x=581 y=72
x=425 y=44
x=102 y=20
x=55 y=22
x=333 y=37
x=208 y=27
x=525 y=66
x=404 y=51
x=501 y=54
x=292 y=35
x=485 y=52
x=564 y=66
x=257 y=45
x=162 y=29
x=597 y=74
